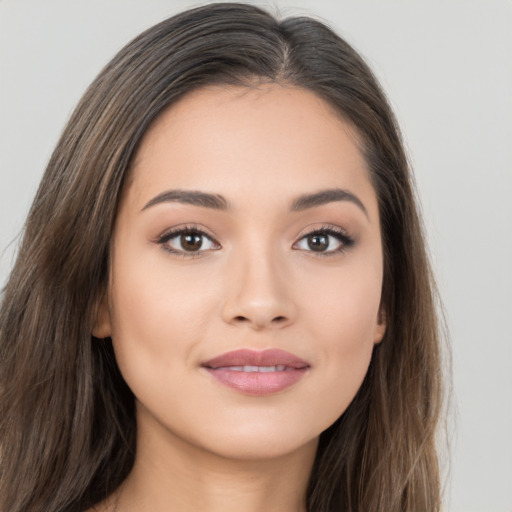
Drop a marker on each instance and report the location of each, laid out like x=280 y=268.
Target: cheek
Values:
x=344 y=305
x=343 y=320
x=343 y=360
x=158 y=317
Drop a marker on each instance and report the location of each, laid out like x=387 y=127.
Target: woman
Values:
x=222 y=299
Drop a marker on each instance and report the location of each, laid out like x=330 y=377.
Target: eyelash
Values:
x=346 y=241
x=192 y=230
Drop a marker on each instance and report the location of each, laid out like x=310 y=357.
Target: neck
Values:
x=171 y=474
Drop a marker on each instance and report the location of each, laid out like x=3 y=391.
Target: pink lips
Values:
x=256 y=372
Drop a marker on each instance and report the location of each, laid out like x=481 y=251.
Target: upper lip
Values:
x=248 y=357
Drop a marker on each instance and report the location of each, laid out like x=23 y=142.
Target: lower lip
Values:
x=258 y=383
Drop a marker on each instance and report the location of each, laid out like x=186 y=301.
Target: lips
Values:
x=256 y=372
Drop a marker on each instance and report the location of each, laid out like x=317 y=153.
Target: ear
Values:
x=102 y=325
x=380 y=326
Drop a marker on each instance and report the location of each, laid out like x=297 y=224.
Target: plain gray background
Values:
x=446 y=68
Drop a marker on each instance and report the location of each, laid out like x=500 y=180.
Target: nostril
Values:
x=279 y=319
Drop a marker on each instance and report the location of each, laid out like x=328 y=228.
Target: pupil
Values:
x=318 y=242
x=191 y=242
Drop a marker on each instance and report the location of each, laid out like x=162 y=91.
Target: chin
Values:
x=247 y=450
x=260 y=442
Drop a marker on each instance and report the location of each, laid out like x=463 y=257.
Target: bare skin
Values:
x=268 y=268
x=202 y=482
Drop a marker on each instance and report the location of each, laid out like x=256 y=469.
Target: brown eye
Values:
x=325 y=242
x=188 y=241
x=191 y=241
x=318 y=242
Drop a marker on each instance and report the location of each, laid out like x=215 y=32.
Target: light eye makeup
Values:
x=193 y=241
x=188 y=241
x=325 y=241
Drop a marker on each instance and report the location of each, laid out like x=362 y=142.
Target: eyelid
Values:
x=346 y=240
x=176 y=231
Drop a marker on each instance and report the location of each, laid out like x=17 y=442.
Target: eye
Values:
x=325 y=241
x=188 y=241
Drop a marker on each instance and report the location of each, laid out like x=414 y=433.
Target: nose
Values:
x=258 y=294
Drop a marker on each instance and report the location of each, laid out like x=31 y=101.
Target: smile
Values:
x=247 y=368
x=257 y=373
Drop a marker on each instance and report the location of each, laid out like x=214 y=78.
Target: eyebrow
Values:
x=218 y=202
x=203 y=199
x=326 y=196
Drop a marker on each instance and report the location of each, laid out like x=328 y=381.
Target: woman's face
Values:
x=246 y=272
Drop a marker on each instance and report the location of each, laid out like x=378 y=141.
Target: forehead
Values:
x=263 y=139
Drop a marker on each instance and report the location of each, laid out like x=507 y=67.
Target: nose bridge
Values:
x=257 y=292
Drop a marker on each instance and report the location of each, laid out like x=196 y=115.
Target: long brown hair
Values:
x=67 y=422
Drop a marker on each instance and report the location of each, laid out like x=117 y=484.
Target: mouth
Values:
x=257 y=373
x=252 y=369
